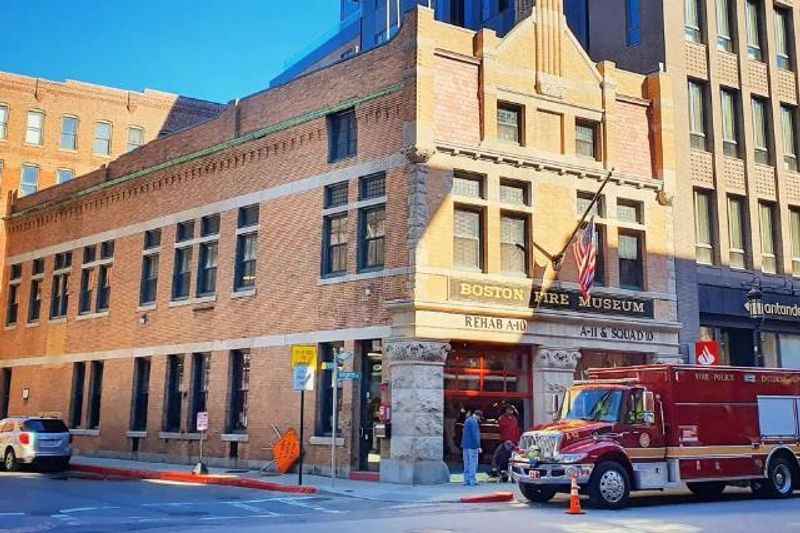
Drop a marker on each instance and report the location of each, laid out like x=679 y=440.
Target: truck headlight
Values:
x=569 y=458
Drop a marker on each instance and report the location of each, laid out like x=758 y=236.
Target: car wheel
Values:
x=708 y=489
x=780 y=482
x=536 y=493
x=10 y=461
x=610 y=486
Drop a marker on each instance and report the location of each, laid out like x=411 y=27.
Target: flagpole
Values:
x=559 y=257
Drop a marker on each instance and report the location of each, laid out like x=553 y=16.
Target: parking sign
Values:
x=202 y=421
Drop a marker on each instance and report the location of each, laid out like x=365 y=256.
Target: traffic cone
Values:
x=574 y=498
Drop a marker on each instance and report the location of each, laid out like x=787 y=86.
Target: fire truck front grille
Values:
x=546 y=442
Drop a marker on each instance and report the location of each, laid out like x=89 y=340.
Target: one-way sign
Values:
x=349 y=376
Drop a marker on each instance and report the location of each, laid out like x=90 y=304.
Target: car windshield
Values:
x=601 y=405
x=45 y=426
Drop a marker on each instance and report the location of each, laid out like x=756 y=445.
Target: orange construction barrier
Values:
x=286 y=451
x=574 y=498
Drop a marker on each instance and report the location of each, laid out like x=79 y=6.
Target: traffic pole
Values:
x=335 y=385
x=302 y=410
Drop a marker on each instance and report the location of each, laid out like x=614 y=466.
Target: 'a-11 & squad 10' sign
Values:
x=555 y=298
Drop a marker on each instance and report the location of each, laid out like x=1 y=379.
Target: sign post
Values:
x=304 y=363
x=202 y=426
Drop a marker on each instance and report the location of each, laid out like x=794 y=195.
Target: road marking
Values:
x=243 y=517
x=172 y=504
x=12 y=514
x=86 y=509
x=298 y=502
x=67 y=519
x=245 y=507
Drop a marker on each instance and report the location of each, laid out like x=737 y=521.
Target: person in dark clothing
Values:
x=500 y=460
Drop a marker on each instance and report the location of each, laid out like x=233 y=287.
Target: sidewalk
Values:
x=366 y=490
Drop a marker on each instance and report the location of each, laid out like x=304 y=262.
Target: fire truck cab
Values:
x=665 y=426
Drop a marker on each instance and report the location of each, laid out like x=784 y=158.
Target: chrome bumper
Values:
x=550 y=473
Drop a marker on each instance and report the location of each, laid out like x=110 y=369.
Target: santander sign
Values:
x=707 y=353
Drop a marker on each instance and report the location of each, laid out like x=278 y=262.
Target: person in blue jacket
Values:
x=471 y=445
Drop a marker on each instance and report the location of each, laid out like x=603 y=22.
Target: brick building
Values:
x=734 y=69
x=407 y=214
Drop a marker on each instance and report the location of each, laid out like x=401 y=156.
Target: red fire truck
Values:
x=663 y=426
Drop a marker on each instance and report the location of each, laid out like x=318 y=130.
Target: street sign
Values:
x=304 y=355
x=304 y=363
x=202 y=421
x=349 y=376
x=327 y=365
x=303 y=378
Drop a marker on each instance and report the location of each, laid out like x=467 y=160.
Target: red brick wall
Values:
x=629 y=126
x=456 y=111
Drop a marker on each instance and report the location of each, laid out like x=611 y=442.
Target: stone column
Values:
x=553 y=372
x=416 y=374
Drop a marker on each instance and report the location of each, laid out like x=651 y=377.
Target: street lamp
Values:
x=755 y=306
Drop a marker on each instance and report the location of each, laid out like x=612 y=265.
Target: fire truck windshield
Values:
x=599 y=405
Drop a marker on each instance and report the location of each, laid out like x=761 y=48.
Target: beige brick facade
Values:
x=426 y=108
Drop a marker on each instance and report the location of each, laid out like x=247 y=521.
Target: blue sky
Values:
x=213 y=49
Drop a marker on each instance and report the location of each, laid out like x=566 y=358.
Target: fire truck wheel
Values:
x=610 y=486
x=780 y=482
x=709 y=489
x=536 y=493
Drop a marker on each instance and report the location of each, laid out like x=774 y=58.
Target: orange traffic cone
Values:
x=574 y=498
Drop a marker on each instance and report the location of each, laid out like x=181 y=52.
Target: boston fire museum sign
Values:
x=559 y=299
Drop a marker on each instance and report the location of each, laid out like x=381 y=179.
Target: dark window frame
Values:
x=342 y=135
x=240 y=364
x=481 y=238
x=365 y=243
x=201 y=382
x=594 y=126
x=207 y=271
x=638 y=282
x=148 y=285
x=366 y=184
x=517 y=110
x=324 y=411
x=333 y=193
x=173 y=397
x=245 y=270
x=526 y=249
x=141 y=393
x=329 y=250
x=95 y=394
x=77 y=393
x=182 y=273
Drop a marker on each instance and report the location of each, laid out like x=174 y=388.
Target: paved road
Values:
x=38 y=503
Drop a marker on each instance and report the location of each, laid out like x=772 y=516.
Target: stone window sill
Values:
x=62 y=320
x=146 y=308
x=244 y=293
x=235 y=437
x=137 y=434
x=193 y=301
x=85 y=432
x=32 y=325
x=89 y=316
x=325 y=441
x=178 y=436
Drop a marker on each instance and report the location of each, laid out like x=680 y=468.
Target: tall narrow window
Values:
x=697 y=115
x=468 y=239
x=509 y=122
x=703 y=227
x=30 y=179
x=240 y=386
x=324 y=411
x=730 y=122
x=141 y=393
x=103 y=288
x=342 y=135
x=12 y=309
x=784 y=36
x=789 y=131
x=693 y=20
x=174 y=399
x=182 y=268
x=372 y=235
x=34 y=133
x=633 y=22
x=76 y=401
x=35 y=298
x=64 y=175
x=794 y=218
x=769 y=259
x=335 y=246
x=514 y=244
x=725 y=25
x=59 y=293
x=246 y=249
x=586 y=139
x=87 y=287
x=69 y=133
x=96 y=394
x=135 y=137
x=207 y=260
x=102 y=139
x=755 y=30
x=761 y=131
x=5 y=392
x=150 y=261
x=201 y=373
x=631 y=260
x=737 y=223
x=3 y=121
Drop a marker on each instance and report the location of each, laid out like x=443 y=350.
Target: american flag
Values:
x=585 y=249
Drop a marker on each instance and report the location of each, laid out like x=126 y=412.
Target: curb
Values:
x=497 y=497
x=185 y=477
